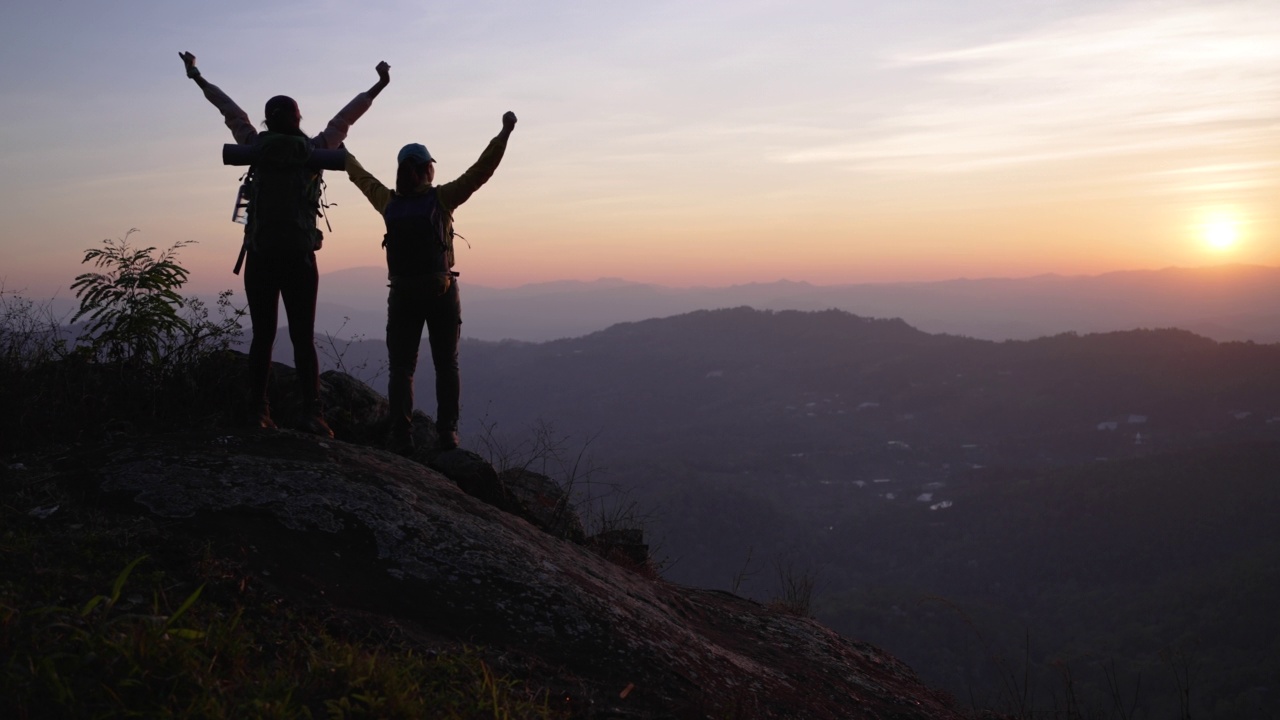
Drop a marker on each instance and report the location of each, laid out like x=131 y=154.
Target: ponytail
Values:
x=409 y=176
x=285 y=125
x=285 y=129
x=282 y=116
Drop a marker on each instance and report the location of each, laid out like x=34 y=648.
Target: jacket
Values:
x=245 y=133
x=449 y=195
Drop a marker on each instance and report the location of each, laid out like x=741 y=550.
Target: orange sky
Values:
x=734 y=142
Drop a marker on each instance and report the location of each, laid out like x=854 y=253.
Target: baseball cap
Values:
x=415 y=152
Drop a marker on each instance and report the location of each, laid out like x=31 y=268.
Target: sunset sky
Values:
x=683 y=143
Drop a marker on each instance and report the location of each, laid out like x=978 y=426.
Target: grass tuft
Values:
x=177 y=632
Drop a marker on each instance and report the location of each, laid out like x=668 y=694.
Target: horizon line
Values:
x=811 y=283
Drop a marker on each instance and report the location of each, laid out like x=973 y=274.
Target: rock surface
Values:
x=366 y=529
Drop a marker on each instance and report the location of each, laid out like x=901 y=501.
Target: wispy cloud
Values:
x=1201 y=180
x=1142 y=78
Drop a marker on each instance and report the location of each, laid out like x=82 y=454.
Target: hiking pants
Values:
x=411 y=303
x=268 y=277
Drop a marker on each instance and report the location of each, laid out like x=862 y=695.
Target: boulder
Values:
x=354 y=410
x=540 y=500
x=362 y=528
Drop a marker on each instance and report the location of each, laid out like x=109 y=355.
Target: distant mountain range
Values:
x=771 y=383
x=1230 y=302
x=1105 y=496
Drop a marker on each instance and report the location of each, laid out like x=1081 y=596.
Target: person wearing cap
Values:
x=423 y=286
x=292 y=276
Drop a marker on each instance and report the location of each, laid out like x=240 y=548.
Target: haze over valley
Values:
x=1229 y=302
x=1104 y=495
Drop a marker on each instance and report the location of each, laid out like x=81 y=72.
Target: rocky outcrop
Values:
x=362 y=528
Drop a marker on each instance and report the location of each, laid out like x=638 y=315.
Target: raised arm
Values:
x=379 y=195
x=384 y=79
x=340 y=125
x=453 y=194
x=237 y=120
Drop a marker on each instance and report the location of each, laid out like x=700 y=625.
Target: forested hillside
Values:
x=1100 y=496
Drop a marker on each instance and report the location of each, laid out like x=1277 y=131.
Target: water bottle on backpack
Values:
x=241 y=212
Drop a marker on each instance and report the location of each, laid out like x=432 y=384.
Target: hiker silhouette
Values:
x=423 y=285
x=281 y=236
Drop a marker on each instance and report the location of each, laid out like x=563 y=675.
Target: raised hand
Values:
x=384 y=77
x=508 y=121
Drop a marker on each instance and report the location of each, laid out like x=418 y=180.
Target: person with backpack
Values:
x=281 y=236
x=423 y=285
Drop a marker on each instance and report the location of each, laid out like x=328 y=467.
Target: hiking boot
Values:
x=316 y=425
x=263 y=419
x=446 y=439
x=401 y=443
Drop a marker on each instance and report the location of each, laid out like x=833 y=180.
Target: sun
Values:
x=1221 y=233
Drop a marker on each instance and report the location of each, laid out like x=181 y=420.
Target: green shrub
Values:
x=30 y=334
x=135 y=312
x=146 y=355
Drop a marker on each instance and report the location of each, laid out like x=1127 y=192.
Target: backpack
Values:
x=283 y=196
x=415 y=241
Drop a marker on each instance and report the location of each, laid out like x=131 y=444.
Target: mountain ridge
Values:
x=866 y=447
x=1226 y=302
